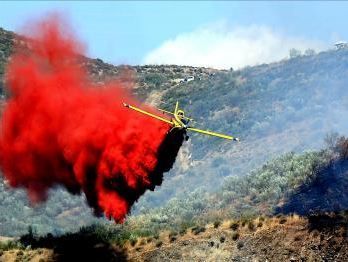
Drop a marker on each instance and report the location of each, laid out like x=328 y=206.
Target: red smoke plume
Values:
x=58 y=128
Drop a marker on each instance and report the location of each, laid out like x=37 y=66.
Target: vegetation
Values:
x=278 y=108
x=240 y=244
x=8 y=245
x=235 y=236
x=234 y=225
x=282 y=221
x=198 y=229
x=217 y=223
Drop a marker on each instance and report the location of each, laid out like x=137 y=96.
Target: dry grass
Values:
x=279 y=241
x=37 y=255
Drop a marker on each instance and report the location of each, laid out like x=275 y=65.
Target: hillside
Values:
x=281 y=238
x=274 y=108
x=62 y=210
x=272 y=239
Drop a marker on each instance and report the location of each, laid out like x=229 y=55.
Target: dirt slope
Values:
x=282 y=238
x=277 y=239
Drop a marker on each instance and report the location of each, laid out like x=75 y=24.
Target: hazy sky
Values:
x=218 y=34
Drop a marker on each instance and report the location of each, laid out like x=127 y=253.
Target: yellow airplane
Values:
x=179 y=121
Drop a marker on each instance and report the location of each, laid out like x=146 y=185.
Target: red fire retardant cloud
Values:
x=58 y=128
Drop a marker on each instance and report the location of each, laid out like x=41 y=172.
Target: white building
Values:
x=341 y=45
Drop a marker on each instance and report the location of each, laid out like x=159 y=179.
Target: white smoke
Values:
x=219 y=46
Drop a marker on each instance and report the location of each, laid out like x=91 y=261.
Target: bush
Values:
x=222 y=239
x=260 y=224
x=240 y=244
x=217 y=223
x=172 y=238
x=8 y=245
x=234 y=226
x=133 y=242
x=282 y=220
x=183 y=231
x=235 y=236
x=159 y=243
x=172 y=234
x=197 y=230
x=251 y=226
x=149 y=240
x=297 y=238
x=342 y=147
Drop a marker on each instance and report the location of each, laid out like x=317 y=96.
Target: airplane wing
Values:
x=165 y=111
x=213 y=133
x=148 y=114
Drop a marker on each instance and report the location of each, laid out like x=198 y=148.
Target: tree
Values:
x=294 y=53
x=309 y=52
